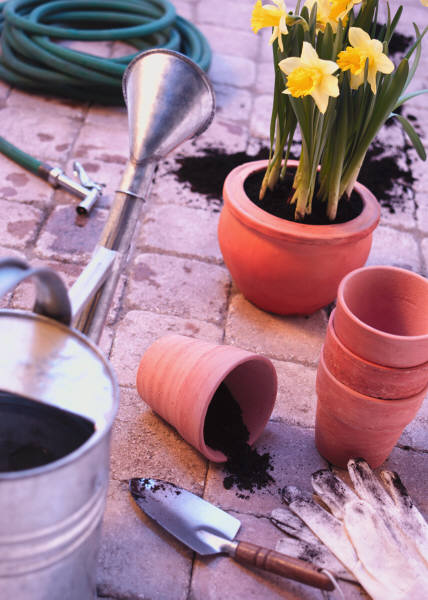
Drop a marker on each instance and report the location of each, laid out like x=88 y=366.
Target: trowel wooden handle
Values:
x=281 y=564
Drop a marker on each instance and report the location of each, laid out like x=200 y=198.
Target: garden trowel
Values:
x=207 y=529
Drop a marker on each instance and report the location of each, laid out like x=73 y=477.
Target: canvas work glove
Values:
x=375 y=532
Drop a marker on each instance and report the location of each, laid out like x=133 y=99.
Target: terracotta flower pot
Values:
x=286 y=267
x=367 y=377
x=350 y=425
x=178 y=377
x=382 y=316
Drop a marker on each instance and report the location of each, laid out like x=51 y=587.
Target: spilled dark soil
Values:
x=386 y=172
x=246 y=468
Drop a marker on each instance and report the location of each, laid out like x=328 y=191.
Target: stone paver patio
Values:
x=176 y=282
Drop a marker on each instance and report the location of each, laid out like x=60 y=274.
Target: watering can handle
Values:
x=52 y=297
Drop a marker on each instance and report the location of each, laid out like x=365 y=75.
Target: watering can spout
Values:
x=169 y=100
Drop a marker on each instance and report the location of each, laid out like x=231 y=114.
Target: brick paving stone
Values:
x=143 y=445
x=103 y=142
x=137 y=560
x=232 y=14
x=139 y=329
x=183 y=287
x=265 y=78
x=296 y=399
x=62 y=238
x=394 y=247
x=425 y=255
x=181 y=230
x=49 y=139
x=223 y=134
x=216 y=578
x=284 y=338
x=19 y=185
x=403 y=214
x=415 y=434
x=231 y=41
x=185 y=9
x=260 y=117
x=294 y=458
x=232 y=104
x=168 y=189
x=65 y=107
x=19 y=224
x=232 y=70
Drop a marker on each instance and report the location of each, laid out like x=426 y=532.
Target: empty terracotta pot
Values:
x=382 y=316
x=350 y=425
x=178 y=377
x=368 y=377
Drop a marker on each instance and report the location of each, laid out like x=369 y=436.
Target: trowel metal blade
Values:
x=185 y=515
x=169 y=100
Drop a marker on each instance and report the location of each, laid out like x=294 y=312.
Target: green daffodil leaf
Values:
x=413 y=136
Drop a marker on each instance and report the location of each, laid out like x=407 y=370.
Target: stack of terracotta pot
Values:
x=373 y=373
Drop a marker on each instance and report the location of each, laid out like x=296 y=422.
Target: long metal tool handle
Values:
x=117 y=235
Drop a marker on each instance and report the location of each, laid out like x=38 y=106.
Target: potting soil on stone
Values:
x=225 y=431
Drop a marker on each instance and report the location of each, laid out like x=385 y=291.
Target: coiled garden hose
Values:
x=35 y=57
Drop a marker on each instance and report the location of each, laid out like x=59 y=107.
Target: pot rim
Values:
x=393 y=337
x=263 y=222
x=396 y=404
x=382 y=369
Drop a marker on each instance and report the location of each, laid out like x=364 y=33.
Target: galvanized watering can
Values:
x=58 y=393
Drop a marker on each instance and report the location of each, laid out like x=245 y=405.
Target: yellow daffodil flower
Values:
x=270 y=16
x=309 y=75
x=330 y=11
x=424 y=2
x=354 y=58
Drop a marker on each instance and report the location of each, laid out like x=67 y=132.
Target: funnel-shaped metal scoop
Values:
x=169 y=100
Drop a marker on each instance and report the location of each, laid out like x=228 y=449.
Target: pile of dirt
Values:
x=224 y=430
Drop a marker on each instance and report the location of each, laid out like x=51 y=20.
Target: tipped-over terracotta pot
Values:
x=367 y=377
x=286 y=267
x=382 y=316
x=349 y=424
x=178 y=377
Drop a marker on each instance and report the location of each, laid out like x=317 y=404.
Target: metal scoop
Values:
x=209 y=530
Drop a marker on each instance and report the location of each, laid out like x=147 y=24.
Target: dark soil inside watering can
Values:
x=225 y=430
x=33 y=434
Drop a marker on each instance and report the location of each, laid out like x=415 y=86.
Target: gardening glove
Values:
x=377 y=533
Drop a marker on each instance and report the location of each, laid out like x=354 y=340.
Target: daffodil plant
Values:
x=333 y=79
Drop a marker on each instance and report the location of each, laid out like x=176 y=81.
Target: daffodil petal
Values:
x=328 y=66
x=289 y=64
x=321 y=100
x=358 y=37
x=384 y=64
x=356 y=80
x=309 y=55
x=371 y=78
x=330 y=86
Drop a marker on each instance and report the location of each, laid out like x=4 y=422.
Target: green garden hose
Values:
x=31 y=60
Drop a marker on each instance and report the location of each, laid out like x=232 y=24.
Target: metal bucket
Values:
x=58 y=394
x=58 y=399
